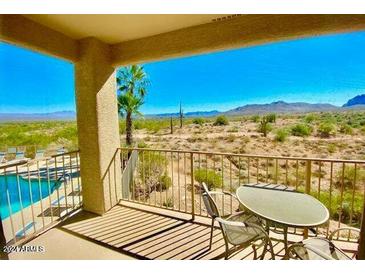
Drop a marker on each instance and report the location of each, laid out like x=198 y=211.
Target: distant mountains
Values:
x=187 y=114
x=280 y=107
x=53 y=116
x=358 y=102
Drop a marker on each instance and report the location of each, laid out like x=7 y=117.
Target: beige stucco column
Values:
x=98 y=128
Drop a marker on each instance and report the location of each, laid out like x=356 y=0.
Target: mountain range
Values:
x=358 y=102
x=53 y=116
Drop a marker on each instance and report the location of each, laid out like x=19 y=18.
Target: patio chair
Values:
x=20 y=156
x=242 y=235
x=214 y=213
x=318 y=248
x=2 y=157
x=39 y=154
x=61 y=151
x=11 y=150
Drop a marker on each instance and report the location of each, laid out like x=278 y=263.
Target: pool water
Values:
x=38 y=190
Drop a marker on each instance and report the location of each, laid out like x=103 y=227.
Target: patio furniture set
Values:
x=263 y=208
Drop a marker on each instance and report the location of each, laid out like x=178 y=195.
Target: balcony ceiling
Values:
x=116 y=28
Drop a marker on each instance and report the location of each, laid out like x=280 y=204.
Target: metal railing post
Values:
x=361 y=247
x=192 y=185
x=308 y=179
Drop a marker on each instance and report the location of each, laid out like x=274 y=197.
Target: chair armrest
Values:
x=330 y=237
x=320 y=253
x=230 y=194
x=223 y=193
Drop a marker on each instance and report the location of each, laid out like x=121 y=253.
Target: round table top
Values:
x=284 y=207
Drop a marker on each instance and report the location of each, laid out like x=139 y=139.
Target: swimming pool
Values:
x=38 y=189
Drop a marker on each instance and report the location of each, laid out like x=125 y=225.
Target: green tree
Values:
x=132 y=84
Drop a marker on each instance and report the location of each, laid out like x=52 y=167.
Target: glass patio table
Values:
x=282 y=207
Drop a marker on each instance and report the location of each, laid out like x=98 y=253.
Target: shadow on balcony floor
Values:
x=140 y=232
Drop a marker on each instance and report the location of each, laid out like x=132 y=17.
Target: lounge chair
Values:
x=20 y=156
x=61 y=151
x=318 y=248
x=39 y=155
x=11 y=150
x=241 y=229
x=2 y=157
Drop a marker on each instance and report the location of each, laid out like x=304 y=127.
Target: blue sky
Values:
x=326 y=69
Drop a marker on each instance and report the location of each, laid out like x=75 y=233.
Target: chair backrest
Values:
x=238 y=233
x=39 y=154
x=19 y=155
x=209 y=203
x=2 y=156
x=61 y=150
x=11 y=150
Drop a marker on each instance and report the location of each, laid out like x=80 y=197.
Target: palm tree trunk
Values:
x=128 y=125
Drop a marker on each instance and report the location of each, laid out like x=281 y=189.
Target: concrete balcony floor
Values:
x=134 y=231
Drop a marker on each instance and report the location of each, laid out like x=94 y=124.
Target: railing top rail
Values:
x=248 y=155
x=65 y=153
x=9 y=165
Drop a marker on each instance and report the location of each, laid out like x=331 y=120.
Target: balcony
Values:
x=97 y=184
x=159 y=216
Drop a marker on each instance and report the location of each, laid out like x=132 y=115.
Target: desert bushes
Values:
x=264 y=125
x=310 y=118
x=349 y=174
x=301 y=130
x=198 y=121
x=271 y=118
x=281 y=135
x=221 y=121
x=208 y=176
x=42 y=134
x=346 y=129
x=326 y=129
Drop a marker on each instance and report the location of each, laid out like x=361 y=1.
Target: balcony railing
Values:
x=170 y=179
x=38 y=193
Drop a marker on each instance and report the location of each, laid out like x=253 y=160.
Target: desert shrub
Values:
x=221 y=121
x=255 y=118
x=349 y=177
x=264 y=126
x=271 y=118
x=310 y=118
x=165 y=182
x=301 y=130
x=346 y=129
x=333 y=203
x=151 y=165
x=231 y=138
x=281 y=135
x=198 y=121
x=208 y=176
x=142 y=145
x=331 y=148
x=42 y=134
x=234 y=129
x=151 y=125
x=326 y=129
x=168 y=203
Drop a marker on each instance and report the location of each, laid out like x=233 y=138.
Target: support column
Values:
x=98 y=126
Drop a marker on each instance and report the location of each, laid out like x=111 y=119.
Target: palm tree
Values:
x=132 y=85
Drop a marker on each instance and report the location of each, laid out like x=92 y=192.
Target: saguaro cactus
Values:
x=181 y=115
